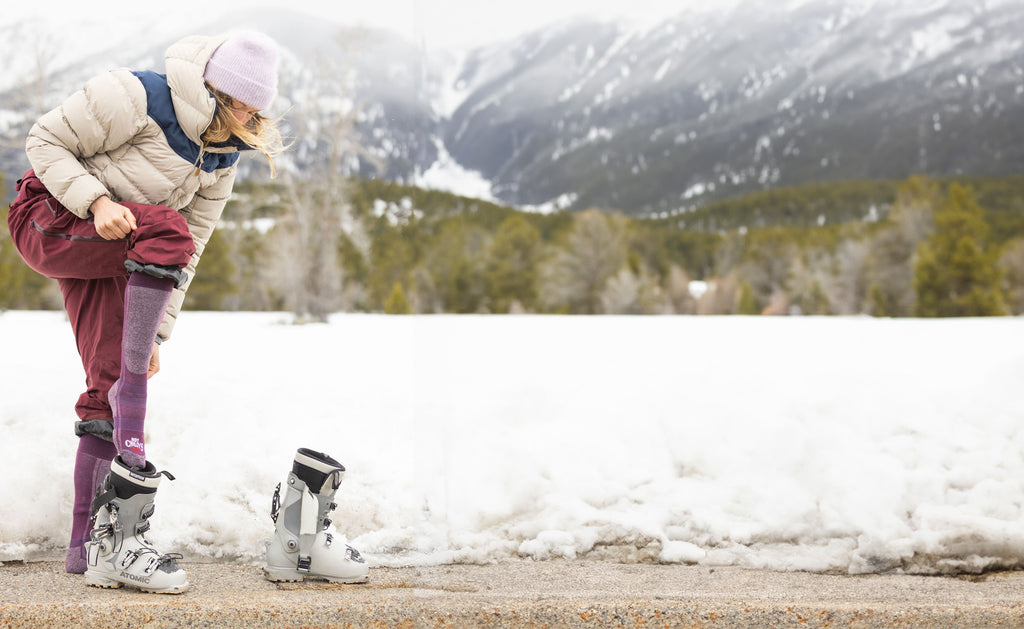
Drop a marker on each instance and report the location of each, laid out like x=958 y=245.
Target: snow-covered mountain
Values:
x=711 y=105
x=706 y=105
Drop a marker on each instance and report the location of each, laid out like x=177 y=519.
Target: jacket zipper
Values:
x=199 y=160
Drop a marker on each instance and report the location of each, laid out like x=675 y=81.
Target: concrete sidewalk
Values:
x=531 y=594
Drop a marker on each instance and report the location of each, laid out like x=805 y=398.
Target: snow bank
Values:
x=821 y=444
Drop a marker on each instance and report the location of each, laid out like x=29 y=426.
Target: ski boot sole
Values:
x=290 y=576
x=100 y=582
x=178 y=590
x=112 y=584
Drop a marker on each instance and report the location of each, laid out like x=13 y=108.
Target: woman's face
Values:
x=242 y=112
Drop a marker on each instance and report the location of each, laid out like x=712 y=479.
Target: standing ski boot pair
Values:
x=118 y=552
x=301 y=546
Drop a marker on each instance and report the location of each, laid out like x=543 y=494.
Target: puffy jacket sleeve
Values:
x=104 y=115
x=202 y=214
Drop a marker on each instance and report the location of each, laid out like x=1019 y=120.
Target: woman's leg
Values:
x=92 y=463
x=93 y=276
x=145 y=301
x=96 y=310
x=93 y=279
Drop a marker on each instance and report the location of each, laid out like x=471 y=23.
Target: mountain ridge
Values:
x=659 y=120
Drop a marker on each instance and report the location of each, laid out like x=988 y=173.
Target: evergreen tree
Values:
x=878 y=305
x=397 y=303
x=20 y=286
x=889 y=266
x=354 y=271
x=392 y=260
x=813 y=301
x=511 y=267
x=454 y=262
x=214 y=279
x=746 y=304
x=956 y=274
x=255 y=279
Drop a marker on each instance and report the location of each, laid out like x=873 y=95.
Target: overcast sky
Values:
x=477 y=21
x=439 y=23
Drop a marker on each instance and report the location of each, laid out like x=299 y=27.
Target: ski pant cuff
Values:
x=102 y=428
x=155 y=270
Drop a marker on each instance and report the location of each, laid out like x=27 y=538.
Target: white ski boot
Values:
x=118 y=552
x=301 y=547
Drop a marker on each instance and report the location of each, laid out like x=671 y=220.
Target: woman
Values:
x=129 y=177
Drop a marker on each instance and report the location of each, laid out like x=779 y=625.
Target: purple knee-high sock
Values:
x=92 y=464
x=145 y=301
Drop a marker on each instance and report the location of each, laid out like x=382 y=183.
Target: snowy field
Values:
x=823 y=444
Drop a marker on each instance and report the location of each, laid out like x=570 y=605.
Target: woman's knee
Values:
x=162 y=237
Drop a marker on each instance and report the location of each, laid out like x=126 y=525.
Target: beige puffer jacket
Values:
x=125 y=136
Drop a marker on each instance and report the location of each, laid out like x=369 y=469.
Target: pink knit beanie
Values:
x=245 y=68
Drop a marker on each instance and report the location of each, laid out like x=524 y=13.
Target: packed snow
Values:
x=847 y=445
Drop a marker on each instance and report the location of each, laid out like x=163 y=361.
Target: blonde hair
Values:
x=260 y=132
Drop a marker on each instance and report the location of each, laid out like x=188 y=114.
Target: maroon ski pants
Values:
x=91 y=273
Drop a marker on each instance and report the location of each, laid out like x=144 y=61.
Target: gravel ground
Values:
x=517 y=594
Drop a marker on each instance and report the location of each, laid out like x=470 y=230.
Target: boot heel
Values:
x=100 y=581
x=282 y=575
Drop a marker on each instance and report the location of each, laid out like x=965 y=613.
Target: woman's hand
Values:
x=154 y=361
x=113 y=221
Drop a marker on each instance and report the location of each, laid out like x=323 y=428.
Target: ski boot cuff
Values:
x=321 y=473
